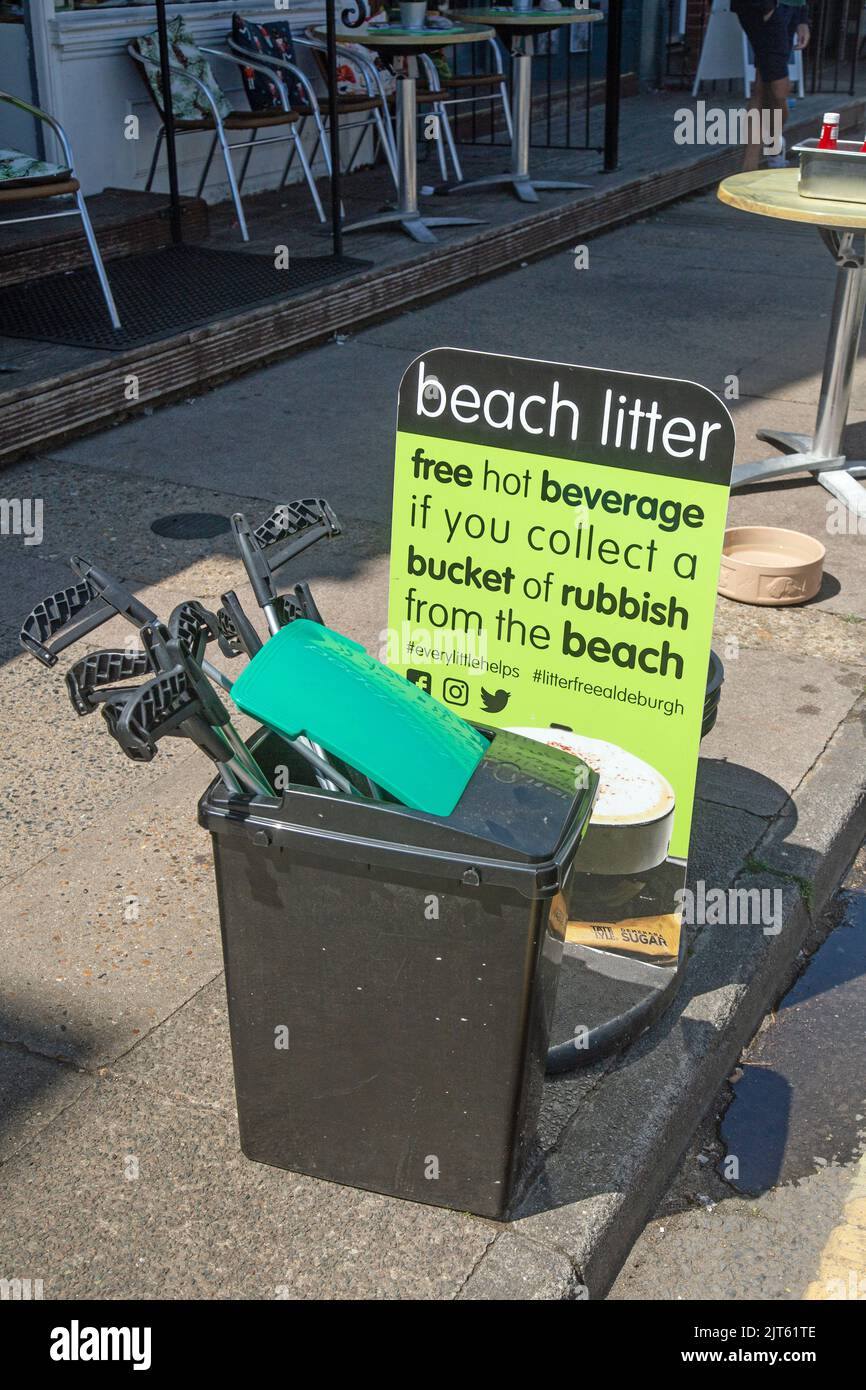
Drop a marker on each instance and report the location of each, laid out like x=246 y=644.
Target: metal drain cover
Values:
x=191 y=526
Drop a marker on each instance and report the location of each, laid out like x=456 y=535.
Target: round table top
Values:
x=505 y=17
x=773 y=193
x=395 y=36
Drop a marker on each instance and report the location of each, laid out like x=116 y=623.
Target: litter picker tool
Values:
x=289 y=530
x=76 y=611
x=80 y=609
x=184 y=702
x=65 y=617
x=179 y=699
x=193 y=626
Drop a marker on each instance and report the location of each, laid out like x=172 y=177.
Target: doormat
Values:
x=158 y=295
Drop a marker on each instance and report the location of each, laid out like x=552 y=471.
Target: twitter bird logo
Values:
x=496 y=702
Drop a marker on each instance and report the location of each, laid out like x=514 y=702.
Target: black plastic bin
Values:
x=391 y=975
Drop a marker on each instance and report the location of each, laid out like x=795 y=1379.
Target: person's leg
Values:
x=777 y=115
x=754 y=143
x=768 y=108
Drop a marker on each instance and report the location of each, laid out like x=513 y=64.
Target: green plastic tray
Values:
x=310 y=680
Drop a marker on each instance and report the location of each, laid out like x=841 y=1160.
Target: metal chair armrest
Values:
x=496 y=50
x=434 y=81
x=48 y=120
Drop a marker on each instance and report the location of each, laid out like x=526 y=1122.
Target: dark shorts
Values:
x=770 y=38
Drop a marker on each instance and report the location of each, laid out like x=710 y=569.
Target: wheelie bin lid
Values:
x=311 y=680
x=518 y=823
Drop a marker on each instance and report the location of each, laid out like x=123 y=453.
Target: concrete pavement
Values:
x=121 y=1167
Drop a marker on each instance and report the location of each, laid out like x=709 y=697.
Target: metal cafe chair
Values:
x=479 y=89
x=371 y=106
x=59 y=183
x=286 y=119
x=425 y=95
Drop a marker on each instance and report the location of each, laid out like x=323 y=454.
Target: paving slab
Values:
x=278 y=435
x=189 y=1057
x=723 y=837
x=63 y=773
x=836 y=637
x=108 y=521
x=776 y=715
x=150 y=1201
x=110 y=934
x=33 y=1090
x=807 y=849
x=518 y=1269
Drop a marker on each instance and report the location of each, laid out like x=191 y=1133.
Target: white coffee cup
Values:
x=413 y=14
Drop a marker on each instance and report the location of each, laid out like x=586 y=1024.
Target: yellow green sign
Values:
x=557 y=534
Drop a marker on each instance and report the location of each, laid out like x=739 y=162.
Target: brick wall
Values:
x=697 y=13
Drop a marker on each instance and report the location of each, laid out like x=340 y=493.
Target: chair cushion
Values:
x=267 y=41
x=188 y=101
x=18 y=170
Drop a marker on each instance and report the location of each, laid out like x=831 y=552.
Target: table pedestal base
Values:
x=821 y=453
x=413 y=224
x=524 y=187
x=406 y=215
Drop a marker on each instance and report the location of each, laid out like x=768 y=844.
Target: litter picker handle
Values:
x=158 y=708
x=113 y=593
x=91 y=680
x=55 y=613
x=294 y=526
x=289 y=530
x=255 y=564
x=307 y=604
x=193 y=626
x=236 y=632
x=72 y=613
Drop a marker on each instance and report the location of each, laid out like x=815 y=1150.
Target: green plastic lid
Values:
x=310 y=680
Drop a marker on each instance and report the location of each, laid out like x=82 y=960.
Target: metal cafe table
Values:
x=773 y=193
x=396 y=40
x=518 y=27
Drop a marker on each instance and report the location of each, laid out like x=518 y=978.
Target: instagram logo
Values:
x=455 y=692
